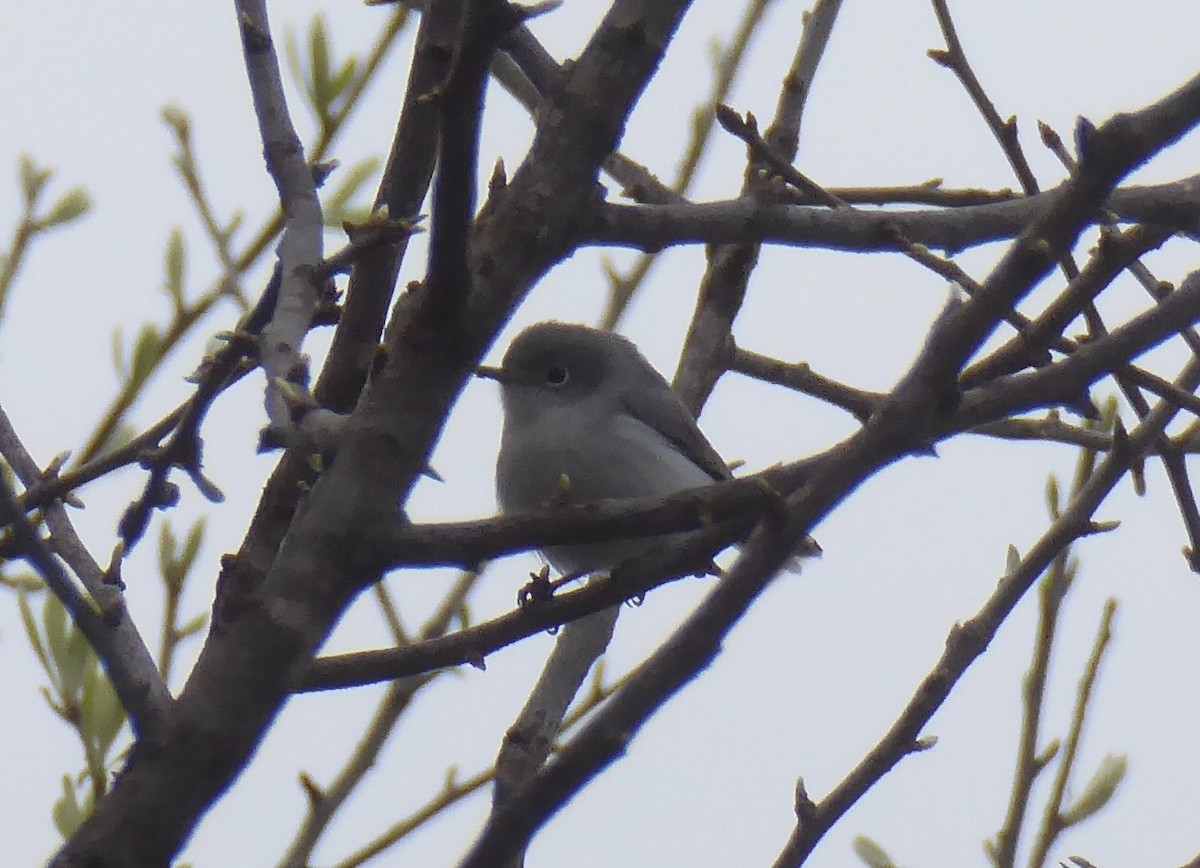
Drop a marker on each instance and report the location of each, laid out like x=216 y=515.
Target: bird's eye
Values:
x=556 y=375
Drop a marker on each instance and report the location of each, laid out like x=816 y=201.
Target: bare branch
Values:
x=653 y=227
x=265 y=631
x=955 y=59
x=902 y=426
x=101 y=614
x=300 y=246
x=1053 y=821
x=966 y=642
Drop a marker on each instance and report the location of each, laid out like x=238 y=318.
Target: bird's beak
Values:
x=497 y=374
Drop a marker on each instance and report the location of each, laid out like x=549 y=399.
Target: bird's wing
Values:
x=661 y=409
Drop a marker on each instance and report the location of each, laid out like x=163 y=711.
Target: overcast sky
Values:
x=815 y=673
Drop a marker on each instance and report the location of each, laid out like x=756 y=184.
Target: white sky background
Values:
x=823 y=663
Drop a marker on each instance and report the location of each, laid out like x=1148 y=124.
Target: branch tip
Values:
x=805 y=807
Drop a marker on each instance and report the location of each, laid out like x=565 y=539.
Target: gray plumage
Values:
x=586 y=418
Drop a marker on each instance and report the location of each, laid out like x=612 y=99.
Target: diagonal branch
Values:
x=955 y=59
x=902 y=426
x=723 y=289
x=266 y=633
x=101 y=614
x=966 y=642
x=731 y=507
x=527 y=742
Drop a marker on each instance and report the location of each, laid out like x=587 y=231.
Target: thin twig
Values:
x=324 y=803
x=1172 y=458
x=184 y=448
x=1030 y=763
x=456 y=790
x=1006 y=134
x=402 y=189
x=955 y=59
x=460 y=114
x=801 y=378
x=624 y=286
x=1052 y=820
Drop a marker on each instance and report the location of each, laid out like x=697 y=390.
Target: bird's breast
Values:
x=570 y=455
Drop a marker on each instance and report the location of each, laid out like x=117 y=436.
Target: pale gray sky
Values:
x=824 y=662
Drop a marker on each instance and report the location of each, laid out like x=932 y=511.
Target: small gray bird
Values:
x=586 y=418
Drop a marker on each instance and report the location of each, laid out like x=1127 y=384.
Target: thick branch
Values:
x=270 y=631
x=401 y=191
x=903 y=425
x=653 y=227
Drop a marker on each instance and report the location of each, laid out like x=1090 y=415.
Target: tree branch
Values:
x=653 y=227
x=101 y=615
x=262 y=635
x=301 y=243
x=967 y=641
x=904 y=424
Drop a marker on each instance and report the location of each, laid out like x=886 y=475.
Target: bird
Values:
x=587 y=418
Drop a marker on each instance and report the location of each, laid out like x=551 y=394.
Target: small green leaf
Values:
x=75 y=663
x=70 y=207
x=166 y=548
x=291 y=53
x=192 y=627
x=1047 y=756
x=103 y=714
x=319 y=66
x=871 y=853
x=1071 y=569
x=611 y=273
x=989 y=848
x=120 y=434
x=176 y=261
x=118 y=355
x=716 y=51
x=343 y=79
x=235 y=223
x=1099 y=790
x=33 y=179
x=1108 y=413
x=355 y=216
x=24 y=582
x=1053 y=502
x=177 y=119
x=54 y=623
x=191 y=546
x=67 y=814
x=31 y=630
x=1012 y=560
x=146 y=355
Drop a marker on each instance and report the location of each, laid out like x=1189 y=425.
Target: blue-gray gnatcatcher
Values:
x=586 y=418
